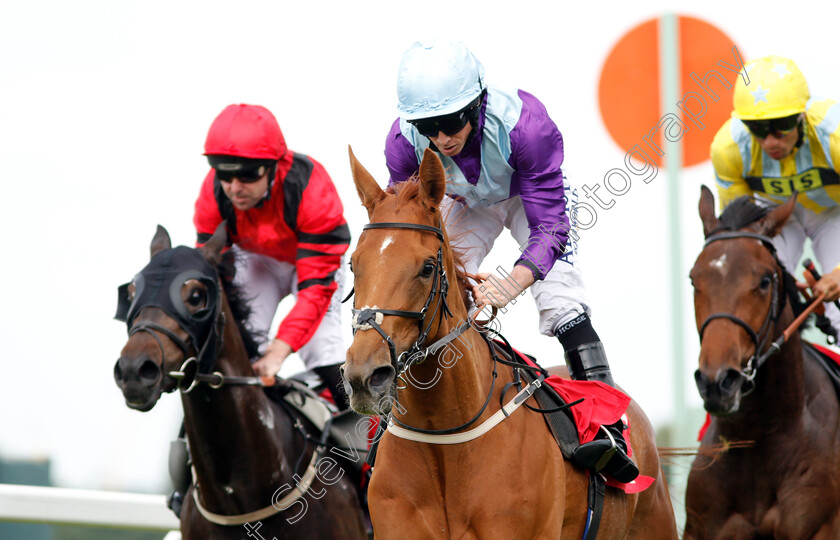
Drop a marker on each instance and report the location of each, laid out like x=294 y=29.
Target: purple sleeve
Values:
x=537 y=156
x=400 y=157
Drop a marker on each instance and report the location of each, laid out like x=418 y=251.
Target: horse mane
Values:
x=743 y=212
x=238 y=302
x=407 y=192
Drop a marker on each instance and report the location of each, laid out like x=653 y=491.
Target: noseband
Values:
x=759 y=338
x=367 y=318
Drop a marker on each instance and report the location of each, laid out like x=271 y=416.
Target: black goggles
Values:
x=778 y=127
x=246 y=176
x=449 y=124
x=246 y=170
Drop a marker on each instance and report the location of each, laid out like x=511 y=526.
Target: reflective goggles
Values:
x=778 y=127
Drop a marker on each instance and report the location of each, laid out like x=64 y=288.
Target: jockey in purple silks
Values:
x=503 y=155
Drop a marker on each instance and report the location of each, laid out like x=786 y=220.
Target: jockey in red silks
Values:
x=287 y=227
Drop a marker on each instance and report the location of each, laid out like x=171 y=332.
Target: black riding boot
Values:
x=587 y=361
x=179 y=472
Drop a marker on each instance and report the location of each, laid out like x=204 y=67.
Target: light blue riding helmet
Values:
x=437 y=78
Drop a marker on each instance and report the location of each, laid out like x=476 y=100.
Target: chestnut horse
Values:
x=512 y=481
x=782 y=482
x=248 y=453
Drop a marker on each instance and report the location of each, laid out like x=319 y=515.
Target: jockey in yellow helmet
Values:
x=780 y=140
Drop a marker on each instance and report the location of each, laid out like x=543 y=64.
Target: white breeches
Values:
x=824 y=231
x=560 y=297
x=265 y=282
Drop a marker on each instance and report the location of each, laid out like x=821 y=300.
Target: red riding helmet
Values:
x=249 y=131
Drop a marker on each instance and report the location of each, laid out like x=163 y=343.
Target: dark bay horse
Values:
x=783 y=482
x=510 y=482
x=251 y=464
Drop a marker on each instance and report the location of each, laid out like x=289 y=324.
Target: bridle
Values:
x=159 y=285
x=367 y=317
x=761 y=337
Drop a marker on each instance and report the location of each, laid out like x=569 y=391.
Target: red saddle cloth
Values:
x=829 y=353
x=601 y=405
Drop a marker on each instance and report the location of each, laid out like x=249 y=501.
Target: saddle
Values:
x=336 y=429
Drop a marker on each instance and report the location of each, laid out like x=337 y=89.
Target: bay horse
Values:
x=248 y=453
x=782 y=482
x=511 y=482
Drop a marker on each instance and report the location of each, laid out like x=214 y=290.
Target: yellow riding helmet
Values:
x=776 y=89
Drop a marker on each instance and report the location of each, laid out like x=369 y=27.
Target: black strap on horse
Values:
x=777 y=305
x=440 y=288
x=595 y=500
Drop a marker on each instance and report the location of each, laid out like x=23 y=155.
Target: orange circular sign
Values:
x=629 y=92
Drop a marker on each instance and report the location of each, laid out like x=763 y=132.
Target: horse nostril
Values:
x=149 y=370
x=381 y=378
x=731 y=380
x=118 y=371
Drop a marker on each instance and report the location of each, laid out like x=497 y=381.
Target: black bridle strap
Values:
x=399 y=225
x=766 y=240
x=732 y=318
x=759 y=338
x=149 y=326
x=440 y=288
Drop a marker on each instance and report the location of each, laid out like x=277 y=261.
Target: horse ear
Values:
x=707 y=210
x=212 y=249
x=369 y=191
x=772 y=223
x=432 y=178
x=161 y=241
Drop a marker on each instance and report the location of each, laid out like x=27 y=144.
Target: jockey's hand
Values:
x=830 y=285
x=276 y=353
x=498 y=291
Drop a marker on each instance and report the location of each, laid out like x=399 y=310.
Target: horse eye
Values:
x=428 y=268
x=765 y=282
x=195 y=295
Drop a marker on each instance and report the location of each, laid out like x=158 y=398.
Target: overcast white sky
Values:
x=103 y=112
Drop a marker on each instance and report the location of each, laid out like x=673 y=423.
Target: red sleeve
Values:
x=323 y=237
x=207 y=216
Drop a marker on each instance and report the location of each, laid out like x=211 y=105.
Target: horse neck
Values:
x=238 y=439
